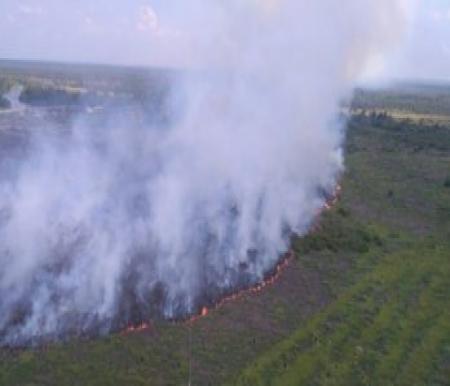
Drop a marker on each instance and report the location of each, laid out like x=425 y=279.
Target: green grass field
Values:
x=390 y=328
x=366 y=301
x=390 y=321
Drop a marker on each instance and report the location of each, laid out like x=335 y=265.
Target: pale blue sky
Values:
x=426 y=53
x=137 y=31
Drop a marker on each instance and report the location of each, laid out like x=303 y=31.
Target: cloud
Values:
x=11 y=18
x=145 y=32
x=30 y=10
x=88 y=20
x=440 y=15
x=148 y=20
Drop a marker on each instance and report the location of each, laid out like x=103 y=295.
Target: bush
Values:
x=338 y=231
x=4 y=103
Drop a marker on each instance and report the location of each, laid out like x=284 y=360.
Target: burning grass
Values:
x=270 y=278
x=364 y=300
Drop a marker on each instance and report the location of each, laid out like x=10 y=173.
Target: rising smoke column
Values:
x=115 y=221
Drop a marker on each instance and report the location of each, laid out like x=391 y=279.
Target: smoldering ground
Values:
x=116 y=220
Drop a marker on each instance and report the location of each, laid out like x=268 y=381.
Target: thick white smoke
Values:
x=115 y=222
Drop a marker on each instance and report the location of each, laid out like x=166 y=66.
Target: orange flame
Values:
x=139 y=328
x=258 y=288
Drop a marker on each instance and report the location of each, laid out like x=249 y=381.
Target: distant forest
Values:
x=419 y=99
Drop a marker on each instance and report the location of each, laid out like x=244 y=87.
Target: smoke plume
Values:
x=114 y=222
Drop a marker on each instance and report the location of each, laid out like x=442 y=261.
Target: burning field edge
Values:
x=364 y=298
x=270 y=279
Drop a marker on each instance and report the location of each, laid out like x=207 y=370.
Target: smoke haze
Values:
x=116 y=222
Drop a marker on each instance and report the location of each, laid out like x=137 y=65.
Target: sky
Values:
x=426 y=51
x=141 y=32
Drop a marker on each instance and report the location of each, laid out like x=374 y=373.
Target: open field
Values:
x=390 y=324
x=365 y=301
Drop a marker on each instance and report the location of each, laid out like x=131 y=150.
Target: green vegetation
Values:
x=390 y=322
x=414 y=98
x=5 y=84
x=389 y=328
x=4 y=87
x=365 y=302
x=38 y=95
x=62 y=84
x=4 y=103
x=338 y=232
x=447 y=182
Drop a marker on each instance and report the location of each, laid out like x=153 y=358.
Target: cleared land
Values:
x=365 y=301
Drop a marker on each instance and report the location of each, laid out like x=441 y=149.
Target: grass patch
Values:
x=349 y=342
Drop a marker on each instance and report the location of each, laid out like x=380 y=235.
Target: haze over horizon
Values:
x=144 y=33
